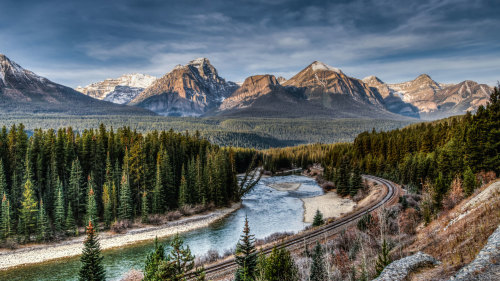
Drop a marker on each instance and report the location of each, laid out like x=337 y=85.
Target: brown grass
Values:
x=459 y=243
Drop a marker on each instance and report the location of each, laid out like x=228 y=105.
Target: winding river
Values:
x=268 y=211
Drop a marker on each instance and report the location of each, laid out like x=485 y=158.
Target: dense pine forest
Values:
x=425 y=157
x=258 y=133
x=54 y=181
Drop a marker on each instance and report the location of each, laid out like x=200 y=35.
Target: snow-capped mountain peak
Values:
x=101 y=90
x=317 y=65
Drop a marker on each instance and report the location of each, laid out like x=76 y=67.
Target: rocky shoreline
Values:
x=70 y=248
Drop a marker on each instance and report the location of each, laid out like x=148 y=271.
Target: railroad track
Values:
x=391 y=196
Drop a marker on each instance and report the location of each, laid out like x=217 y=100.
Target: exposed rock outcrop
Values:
x=400 y=269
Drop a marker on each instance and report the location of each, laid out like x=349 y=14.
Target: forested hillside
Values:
x=54 y=181
x=426 y=157
x=259 y=133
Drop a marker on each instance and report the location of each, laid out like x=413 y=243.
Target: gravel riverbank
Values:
x=46 y=252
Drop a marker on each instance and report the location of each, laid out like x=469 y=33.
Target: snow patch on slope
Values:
x=317 y=65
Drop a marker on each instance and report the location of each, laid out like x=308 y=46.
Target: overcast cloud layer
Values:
x=79 y=42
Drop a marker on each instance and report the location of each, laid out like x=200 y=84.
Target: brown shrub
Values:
x=156 y=219
x=173 y=215
x=408 y=221
x=133 y=275
x=341 y=261
x=120 y=226
x=486 y=177
x=455 y=195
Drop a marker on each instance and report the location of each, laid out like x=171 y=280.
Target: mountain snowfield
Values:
x=119 y=90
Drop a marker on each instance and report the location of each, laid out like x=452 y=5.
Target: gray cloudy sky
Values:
x=79 y=42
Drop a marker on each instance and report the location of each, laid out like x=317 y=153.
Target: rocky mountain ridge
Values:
x=22 y=91
x=187 y=90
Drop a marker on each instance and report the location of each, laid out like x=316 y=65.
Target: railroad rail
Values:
x=390 y=197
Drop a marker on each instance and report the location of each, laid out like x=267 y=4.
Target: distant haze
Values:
x=80 y=42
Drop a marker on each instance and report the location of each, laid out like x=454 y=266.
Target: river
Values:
x=268 y=211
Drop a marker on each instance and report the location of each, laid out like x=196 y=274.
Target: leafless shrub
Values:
x=173 y=215
x=120 y=226
x=10 y=244
x=273 y=237
x=133 y=275
x=486 y=177
x=156 y=219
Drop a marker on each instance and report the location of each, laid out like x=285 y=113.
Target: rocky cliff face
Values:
x=253 y=88
x=188 y=90
x=22 y=91
x=128 y=83
x=430 y=99
x=392 y=102
x=322 y=82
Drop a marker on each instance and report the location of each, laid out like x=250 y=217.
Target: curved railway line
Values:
x=390 y=196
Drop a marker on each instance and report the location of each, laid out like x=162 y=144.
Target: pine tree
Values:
x=383 y=258
x=183 y=190
x=107 y=204
x=158 y=195
x=153 y=261
x=318 y=219
x=92 y=207
x=59 y=213
x=144 y=207
x=43 y=226
x=470 y=182
x=279 y=266
x=180 y=258
x=70 y=224
x=246 y=255
x=5 y=219
x=125 y=208
x=356 y=181
x=28 y=210
x=92 y=269
x=3 y=180
x=343 y=180
x=318 y=270
x=76 y=194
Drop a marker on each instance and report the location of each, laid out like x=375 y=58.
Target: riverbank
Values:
x=330 y=205
x=108 y=240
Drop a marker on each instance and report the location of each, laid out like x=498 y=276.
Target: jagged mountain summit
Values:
x=392 y=101
x=318 y=91
x=187 y=90
x=325 y=84
x=430 y=99
x=22 y=91
x=119 y=90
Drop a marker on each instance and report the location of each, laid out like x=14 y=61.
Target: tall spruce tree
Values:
x=470 y=182
x=318 y=270
x=246 y=256
x=183 y=189
x=59 y=212
x=107 y=204
x=3 y=179
x=158 y=194
x=355 y=182
x=92 y=208
x=144 y=207
x=70 y=223
x=153 y=261
x=5 y=218
x=92 y=269
x=76 y=191
x=43 y=227
x=125 y=211
x=28 y=210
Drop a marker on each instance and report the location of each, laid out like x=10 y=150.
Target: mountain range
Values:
x=22 y=91
x=196 y=89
